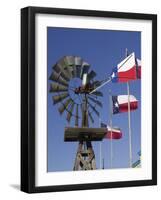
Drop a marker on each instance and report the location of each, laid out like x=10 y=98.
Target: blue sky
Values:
x=103 y=50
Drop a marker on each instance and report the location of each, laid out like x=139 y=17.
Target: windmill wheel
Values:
x=72 y=82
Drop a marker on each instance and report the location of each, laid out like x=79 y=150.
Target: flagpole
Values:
x=129 y=120
x=110 y=114
x=129 y=126
x=100 y=146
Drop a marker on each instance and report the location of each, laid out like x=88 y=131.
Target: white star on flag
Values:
x=113 y=75
x=116 y=105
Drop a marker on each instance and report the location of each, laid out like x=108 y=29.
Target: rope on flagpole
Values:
x=111 y=145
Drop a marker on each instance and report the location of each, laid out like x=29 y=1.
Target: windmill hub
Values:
x=84 y=89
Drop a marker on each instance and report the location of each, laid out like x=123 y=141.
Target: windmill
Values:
x=72 y=83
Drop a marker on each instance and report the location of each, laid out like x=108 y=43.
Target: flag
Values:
x=120 y=103
x=115 y=134
x=127 y=70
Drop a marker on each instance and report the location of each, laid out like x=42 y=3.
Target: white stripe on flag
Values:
x=127 y=63
x=124 y=99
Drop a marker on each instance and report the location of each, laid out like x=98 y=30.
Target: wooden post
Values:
x=85 y=157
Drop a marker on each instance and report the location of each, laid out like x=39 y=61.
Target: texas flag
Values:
x=120 y=103
x=112 y=133
x=127 y=70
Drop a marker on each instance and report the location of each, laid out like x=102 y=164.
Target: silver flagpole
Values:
x=129 y=121
x=100 y=146
x=110 y=111
x=129 y=124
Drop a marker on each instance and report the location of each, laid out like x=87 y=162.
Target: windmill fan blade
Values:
x=90 y=117
x=85 y=68
x=57 y=68
x=78 y=71
x=96 y=84
x=76 y=117
x=64 y=105
x=58 y=98
x=85 y=64
x=63 y=68
x=78 y=64
x=93 y=108
x=69 y=60
x=74 y=71
x=69 y=64
x=57 y=78
x=70 y=111
x=98 y=93
x=91 y=75
x=96 y=101
x=78 y=60
x=56 y=87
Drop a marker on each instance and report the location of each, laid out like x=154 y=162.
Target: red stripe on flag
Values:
x=139 y=72
x=114 y=135
x=124 y=107
x=127 y=75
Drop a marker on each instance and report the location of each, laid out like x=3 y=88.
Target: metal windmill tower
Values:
x=72 y=82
